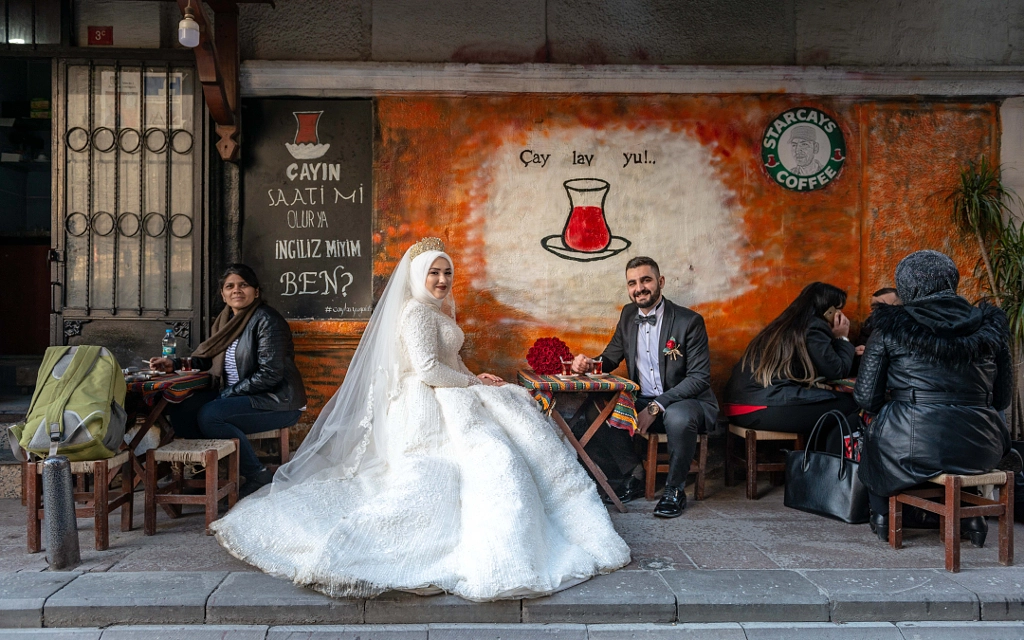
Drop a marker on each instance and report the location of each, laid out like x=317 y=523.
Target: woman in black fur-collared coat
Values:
x=946 y=365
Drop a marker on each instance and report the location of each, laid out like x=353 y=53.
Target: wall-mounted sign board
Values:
x=307 y=205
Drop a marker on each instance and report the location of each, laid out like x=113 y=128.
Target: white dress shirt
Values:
x=648 y=350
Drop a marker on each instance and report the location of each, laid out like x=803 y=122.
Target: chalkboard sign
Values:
x=307 y=204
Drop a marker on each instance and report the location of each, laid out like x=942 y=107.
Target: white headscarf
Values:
x=418 y=269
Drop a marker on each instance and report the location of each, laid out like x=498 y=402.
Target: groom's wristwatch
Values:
x=653 y=409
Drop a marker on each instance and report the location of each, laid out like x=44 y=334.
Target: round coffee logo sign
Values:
x=803 y=149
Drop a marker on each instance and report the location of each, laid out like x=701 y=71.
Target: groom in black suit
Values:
x=665 y=347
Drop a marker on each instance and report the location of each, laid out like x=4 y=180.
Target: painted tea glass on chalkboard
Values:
x=307 y=206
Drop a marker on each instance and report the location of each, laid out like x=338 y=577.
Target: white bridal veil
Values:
x=352 y=427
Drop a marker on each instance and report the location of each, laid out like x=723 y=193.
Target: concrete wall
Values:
x=726 y=32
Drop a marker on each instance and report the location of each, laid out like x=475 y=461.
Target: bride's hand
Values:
x=491 y=380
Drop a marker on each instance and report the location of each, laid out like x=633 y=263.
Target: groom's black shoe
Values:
x=632 y=487
x=671 y=504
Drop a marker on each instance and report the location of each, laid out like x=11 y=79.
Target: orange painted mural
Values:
x=541 y=201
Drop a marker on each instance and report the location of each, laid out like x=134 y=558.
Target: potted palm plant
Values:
x=981 y=206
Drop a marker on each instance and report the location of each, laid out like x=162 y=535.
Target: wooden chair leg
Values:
x=751 y=439
x=651 y=475
x=895 y=523
x=1006 y=522
x=233 y=476
x=730 y=468
x=286 y=448
x=127 y=483
x=702 y=465
x=212 y=485
x=24 y=483
x=149 y=521
x=953 y=523
x=100 y=506
x=177 y=486
x=33 y=492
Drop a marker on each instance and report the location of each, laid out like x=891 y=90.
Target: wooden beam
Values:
x=217 y=64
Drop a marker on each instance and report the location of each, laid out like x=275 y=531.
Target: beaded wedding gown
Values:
x=472 y=491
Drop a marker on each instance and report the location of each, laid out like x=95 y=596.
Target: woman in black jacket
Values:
x=773 y=387
x=946 y=367
x=257 y=386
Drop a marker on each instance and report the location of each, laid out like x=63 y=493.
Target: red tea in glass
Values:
x=597 y=367
x=566 y=367
x=186 y=364
x=586 y=229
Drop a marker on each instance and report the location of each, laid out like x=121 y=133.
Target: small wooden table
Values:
x=617 y=410
x=156 y=394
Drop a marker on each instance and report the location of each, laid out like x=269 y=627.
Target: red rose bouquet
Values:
x=546 y=355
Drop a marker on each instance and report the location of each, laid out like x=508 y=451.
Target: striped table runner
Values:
x=544 y=387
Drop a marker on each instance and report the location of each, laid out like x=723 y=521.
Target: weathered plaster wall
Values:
x=847 y=32
x=732 y=243
x=1011 y=146
x=727 y=32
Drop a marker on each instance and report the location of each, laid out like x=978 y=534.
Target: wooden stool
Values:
x=752 y=437
x=98 y=503
x=948 y=507
x=657 y=462
x=206 y=454
x=281 y=435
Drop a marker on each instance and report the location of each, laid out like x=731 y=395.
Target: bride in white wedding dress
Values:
x=420 y=476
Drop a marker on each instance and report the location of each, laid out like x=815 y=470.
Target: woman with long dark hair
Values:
x=257 y=386
x=776 y=385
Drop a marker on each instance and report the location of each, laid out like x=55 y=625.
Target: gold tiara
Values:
x=425 y=245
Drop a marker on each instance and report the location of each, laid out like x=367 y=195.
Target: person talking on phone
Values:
x=776 y=385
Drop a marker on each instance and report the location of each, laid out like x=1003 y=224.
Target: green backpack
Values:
x=79 y=398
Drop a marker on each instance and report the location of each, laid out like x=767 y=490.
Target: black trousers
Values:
x=613 y=451
x=796 y=418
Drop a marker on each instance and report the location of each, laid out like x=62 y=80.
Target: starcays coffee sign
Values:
x=803 y=149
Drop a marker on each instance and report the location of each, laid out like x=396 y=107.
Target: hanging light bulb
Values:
x=188 y=29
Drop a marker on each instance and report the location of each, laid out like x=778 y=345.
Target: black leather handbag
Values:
x=825 y=483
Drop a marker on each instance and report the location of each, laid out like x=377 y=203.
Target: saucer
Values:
x=598 y=375
x=555 y=245
x=573 y=376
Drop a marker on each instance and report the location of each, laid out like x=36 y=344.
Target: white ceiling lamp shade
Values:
x=188 y=29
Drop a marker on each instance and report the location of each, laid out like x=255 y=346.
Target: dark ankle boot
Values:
x=976 y=529
x=879 y=523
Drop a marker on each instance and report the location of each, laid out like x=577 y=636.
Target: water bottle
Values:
x=169 y=345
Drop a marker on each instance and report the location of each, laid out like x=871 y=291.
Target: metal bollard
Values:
x=62 y=550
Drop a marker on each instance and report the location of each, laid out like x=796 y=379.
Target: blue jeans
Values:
x=205 y=415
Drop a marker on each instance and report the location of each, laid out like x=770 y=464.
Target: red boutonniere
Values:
x=671 y=349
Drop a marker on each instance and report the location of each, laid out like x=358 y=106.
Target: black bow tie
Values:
x=651 y=319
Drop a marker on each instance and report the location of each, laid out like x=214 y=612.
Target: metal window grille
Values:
x=129 y=189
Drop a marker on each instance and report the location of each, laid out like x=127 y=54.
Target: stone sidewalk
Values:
x=711 y=631
x=726 y=560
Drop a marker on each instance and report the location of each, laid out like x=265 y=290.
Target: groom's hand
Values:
x=581 y=364
x=644 y=420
